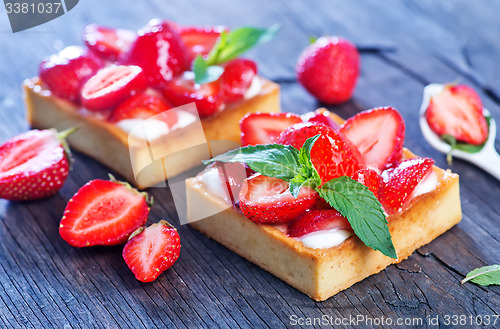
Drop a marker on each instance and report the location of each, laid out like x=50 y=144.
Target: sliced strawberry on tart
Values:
x=327 y=207
x=177 y=66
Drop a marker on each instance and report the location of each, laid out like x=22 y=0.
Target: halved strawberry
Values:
x=318 y=220
x=33 y=165
x=144 y=106
x=378 y=134
x=267 y=200
x=112 y=85
x=108 y=43
x=458 y=111
x=333 y=155
x=236 y=79
x=103 y=213
x=233 y=174
x=265 y=128
x=66 y=72
x=199 y=40
x=369 y=178
x=152 y=250
x=183 y=90
x=160 y=52
x=319 y=116
x=399 y=182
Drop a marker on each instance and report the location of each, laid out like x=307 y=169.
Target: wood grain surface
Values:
x=44 y=283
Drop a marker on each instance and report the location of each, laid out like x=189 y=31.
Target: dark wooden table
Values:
x=405 y=45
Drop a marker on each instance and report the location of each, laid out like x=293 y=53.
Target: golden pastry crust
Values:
x=112 y=146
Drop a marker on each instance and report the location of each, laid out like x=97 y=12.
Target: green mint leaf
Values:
x=204 y=73
x=484 y=276
x=363 y=211
x=308 y=174
x=233 y=44
x=273 y=160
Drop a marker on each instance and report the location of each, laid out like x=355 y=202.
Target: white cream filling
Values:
x=212 y=181
x=147 y=129
x=428 y=184
x=325 y=238
x=254 y=89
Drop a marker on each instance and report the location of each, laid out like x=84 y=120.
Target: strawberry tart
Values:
x=322 y=203
x=126 y=92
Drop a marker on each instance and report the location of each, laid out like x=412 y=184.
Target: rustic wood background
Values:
x=405 y=45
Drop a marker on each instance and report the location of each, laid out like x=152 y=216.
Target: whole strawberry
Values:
x=65 y=73
x=152 y=250
x=33 y=165
x=329 y=69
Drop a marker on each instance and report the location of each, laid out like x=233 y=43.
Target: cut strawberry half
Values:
x=112 y=85
x=233 y=174
x=318 y=220
x=400 y=182
x=369 y=178
x=199 y=40
x=65 y=73
x=265 y=128
x=183 y=90
x=33 y=165
x=144 y=106
x=319 y=116
x=267 y=200
x=152 y=250
x=458 y=111
x=236 y=79
x=378 y=134
x=159 y=51
x=108 y=43
x=333 y=155
x=103 y=213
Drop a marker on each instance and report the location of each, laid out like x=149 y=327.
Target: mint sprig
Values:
x=351 y=198
x=230 y=45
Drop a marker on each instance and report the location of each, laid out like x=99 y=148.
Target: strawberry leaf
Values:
x=363 y=211
x=273 y=160
x=484 y=276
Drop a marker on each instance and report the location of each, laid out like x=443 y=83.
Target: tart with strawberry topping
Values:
x=126 y=90
x=322 y=209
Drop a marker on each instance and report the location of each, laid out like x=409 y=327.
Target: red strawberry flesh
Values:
x=400 y=182
x=265 y=128
x=112 y=85
x=103 y=213
x=333 y=155
x=199 y=40
x=267 y=200
x=66 y=72
x=378 y=134
x=370 y=178
x=108 y=43
x=144 y=106
x=33 y=165
x=458 y=111
x=318 y=220
x=236 y=79
x=152 y=251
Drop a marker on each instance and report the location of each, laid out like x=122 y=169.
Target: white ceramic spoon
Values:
x=487 y=159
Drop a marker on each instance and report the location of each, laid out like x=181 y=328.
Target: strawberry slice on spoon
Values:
x=34 y=165
x=378 y=134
